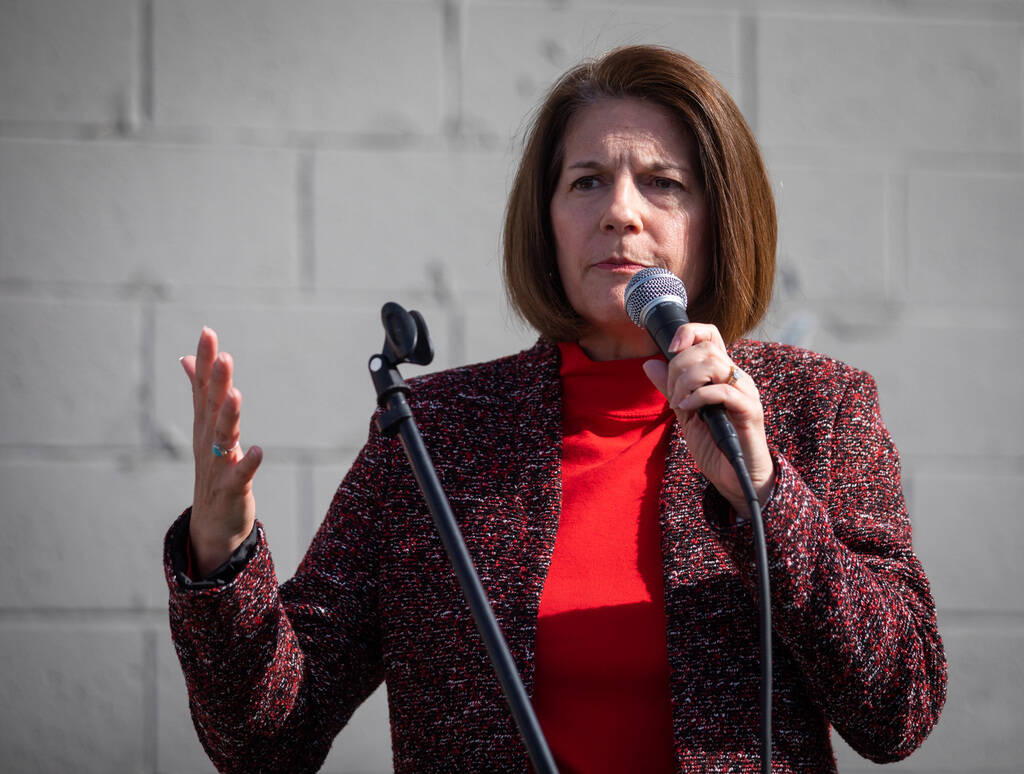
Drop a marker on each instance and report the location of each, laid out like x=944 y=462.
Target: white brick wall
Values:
x=278 y=170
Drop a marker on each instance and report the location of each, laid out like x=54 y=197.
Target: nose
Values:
x=623 y=215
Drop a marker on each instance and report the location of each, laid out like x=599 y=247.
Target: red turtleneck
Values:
x=601 y=688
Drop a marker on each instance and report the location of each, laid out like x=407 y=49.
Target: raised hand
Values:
x=223 y=507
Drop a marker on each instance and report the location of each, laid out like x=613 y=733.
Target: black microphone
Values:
x=656 y=300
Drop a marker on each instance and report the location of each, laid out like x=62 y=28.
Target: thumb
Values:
x=657 y=372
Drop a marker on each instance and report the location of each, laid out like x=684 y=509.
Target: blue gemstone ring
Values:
x=220 y=451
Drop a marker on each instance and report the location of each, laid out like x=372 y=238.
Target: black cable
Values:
x=764 y=607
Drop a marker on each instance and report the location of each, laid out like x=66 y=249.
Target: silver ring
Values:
x=220 y=451
x=734 y=375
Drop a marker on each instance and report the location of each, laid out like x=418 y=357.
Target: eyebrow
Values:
x=657 y=166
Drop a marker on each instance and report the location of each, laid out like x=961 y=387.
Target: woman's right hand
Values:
x=223 y=507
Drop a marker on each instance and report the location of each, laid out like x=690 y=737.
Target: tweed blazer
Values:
x=274 y=673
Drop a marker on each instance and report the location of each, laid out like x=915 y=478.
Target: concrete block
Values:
x=965 y=239
x=493 y=330
x=321 y=66
x=515 y=52
x=891 y=84
x=324 y=480
x=980 y=728
x=124 y=214
x=923 y=405
x=968 y=534
x=71 y=372
x=69 y=62
x=90 y=534
x=364 y=745
x=831 y=233
x=73 y=698
x=301 y=369
x=410 y=221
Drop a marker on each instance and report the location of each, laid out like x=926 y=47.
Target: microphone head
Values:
x=650 y=287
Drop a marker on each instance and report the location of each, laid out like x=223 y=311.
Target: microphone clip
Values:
x=406 y=340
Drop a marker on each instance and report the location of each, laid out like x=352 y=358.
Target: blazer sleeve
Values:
x=850 y=599
x=274 y=673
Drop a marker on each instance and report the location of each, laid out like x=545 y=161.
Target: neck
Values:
x=627 y=344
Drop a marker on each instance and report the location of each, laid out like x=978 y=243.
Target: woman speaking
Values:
x=609 y=531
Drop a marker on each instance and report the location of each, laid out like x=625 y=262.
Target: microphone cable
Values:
x=655 y=299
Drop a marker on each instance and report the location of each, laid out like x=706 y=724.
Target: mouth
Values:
x=619 y=264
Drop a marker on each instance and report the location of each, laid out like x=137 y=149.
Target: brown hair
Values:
x=738 y=281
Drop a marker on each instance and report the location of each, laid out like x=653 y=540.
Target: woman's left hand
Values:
x=700 y=375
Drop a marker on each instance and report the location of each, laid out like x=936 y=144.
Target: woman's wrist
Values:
x=208 y=552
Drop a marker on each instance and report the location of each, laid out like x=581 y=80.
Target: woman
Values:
x=608 y=530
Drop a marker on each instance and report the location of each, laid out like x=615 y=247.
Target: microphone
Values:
x=656 y=300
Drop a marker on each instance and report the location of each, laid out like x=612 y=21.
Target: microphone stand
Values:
x=407 y=340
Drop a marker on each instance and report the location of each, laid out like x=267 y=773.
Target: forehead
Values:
x=611 y=127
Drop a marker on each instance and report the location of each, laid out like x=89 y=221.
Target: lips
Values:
x=616 y=263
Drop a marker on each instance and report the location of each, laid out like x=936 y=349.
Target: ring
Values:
x=734 y=375
x=220 y=451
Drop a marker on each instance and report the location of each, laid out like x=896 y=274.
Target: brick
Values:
x=73 y=698
x=831 y=233
x=923 y=396
x=919 y=86
x=978 y=514
x=515 y=52
x=71 y=372
x=322 y=65
x=407 y=220
x=115 y=213
x=301 y=369
x=69 y=62
x=965 y=237
x=90 y=534
x=979 y=730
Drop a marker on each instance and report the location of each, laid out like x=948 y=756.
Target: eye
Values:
x=585 y=183
x=666 y=183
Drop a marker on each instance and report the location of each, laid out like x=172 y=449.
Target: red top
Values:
x=602 y=686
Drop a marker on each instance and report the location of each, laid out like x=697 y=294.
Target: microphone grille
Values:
x=647 y=285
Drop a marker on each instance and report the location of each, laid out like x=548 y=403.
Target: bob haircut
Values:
x=741 y=266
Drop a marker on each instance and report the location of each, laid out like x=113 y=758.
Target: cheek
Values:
x=695 y=249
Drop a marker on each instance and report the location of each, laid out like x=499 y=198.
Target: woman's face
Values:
x=629 y=196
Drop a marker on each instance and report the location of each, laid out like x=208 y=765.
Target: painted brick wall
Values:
x=278 y=170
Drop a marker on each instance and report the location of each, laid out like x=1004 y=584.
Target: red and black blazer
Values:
x=274 y=673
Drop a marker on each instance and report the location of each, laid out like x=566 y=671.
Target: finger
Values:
x=695 y=333
x=695 y=367
x=657 y=372
x=734 y=400
x=188 y=363
x=226 y=432
x=206 y=353
x=246 y=467
x=220 y=384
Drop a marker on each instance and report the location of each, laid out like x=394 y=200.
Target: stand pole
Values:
x=397 y=419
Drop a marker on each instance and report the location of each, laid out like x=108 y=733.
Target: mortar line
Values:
x=148 y=433
x=749 y=86
x=306 y=219
x=453 y=21
x=147 y=62
x=150 y=702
